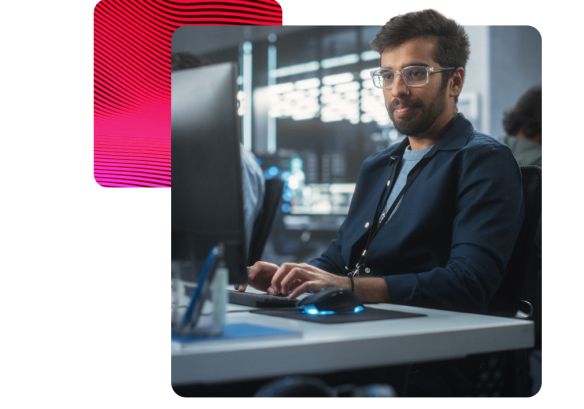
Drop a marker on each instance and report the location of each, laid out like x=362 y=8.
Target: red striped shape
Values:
x=132 y=80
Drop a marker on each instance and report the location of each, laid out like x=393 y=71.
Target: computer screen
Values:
x=322 y=199
x=207 y=197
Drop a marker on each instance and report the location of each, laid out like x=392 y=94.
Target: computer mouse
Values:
x=331 y=300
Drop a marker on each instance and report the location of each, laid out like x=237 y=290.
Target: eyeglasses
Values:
x=415 y=76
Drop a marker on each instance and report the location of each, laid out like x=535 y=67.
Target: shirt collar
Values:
x=456 y=136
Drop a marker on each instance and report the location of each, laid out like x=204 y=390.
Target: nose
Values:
x=399 y=86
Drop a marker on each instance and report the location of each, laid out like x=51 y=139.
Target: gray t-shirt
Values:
x=409 y=160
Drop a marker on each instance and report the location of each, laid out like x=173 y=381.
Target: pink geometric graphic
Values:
x=132 y=80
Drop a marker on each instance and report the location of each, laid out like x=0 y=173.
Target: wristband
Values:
x=352 y=282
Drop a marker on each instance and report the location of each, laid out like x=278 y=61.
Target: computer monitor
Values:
x=322 y=199
x=207 y=196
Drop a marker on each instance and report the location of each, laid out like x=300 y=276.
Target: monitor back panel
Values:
x=207 y=198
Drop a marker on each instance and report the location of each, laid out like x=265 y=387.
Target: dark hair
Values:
x=184 y=60
x=525 y=116
x=452 y=47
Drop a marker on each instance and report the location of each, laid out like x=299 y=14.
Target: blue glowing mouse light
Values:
x=332 y=300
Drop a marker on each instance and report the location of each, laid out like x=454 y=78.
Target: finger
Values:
x=308 y=267
x=304 y=288
x=292 y=286
x=280 y=274
x=294 y=274
x=312 y=269
x=241 y=288
x=260 y=275
x=254 y=270
x=258 y=267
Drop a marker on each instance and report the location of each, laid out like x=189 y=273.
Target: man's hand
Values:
x=295 y=279
x=259 y=276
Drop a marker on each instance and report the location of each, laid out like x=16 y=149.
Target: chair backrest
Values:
x=263 y=223
x=508 y=296
x=505 y=373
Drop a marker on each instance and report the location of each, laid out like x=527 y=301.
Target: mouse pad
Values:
x=368 y=314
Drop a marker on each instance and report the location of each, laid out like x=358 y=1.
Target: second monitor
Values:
x=207 y=197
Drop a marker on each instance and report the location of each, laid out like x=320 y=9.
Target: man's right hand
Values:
x=259 y=276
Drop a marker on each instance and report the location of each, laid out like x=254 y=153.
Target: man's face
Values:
x=414 y=111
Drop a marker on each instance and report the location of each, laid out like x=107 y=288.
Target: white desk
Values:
x=325 y=348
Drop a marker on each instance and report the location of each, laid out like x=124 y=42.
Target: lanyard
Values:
x=373 y=232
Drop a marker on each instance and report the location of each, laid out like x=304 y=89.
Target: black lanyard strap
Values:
x=387 y=188
x=373 y=232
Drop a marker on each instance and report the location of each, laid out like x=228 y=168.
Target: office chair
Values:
x=263 y=223
x=507 y=300
x=532 y=289
x=505 y=373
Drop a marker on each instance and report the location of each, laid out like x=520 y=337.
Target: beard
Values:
x=422 y=118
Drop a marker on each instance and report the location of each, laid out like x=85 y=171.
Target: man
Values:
x=434 y=219
x=252 y=175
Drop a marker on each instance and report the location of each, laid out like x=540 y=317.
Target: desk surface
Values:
x=324 y=348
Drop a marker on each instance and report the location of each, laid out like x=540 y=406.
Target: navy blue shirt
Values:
x=447 y=244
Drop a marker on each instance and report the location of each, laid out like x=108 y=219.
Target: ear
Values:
x=456 y=82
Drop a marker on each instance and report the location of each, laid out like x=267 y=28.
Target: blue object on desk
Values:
x=312 y=310
x=332 y=300
x=238 y=331
x=196 y=304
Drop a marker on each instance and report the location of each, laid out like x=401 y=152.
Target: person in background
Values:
x=252 y=175
x=522 y=124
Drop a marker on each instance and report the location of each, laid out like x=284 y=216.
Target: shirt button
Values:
x=346 y=268
x=388 y=182
x=367 y=270
x=367 y=225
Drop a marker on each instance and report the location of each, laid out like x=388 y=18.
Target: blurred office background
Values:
x=311 y=115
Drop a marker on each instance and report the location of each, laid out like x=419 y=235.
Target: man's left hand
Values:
x=295 y=279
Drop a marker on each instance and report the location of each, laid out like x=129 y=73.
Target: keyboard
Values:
x=260 y=300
